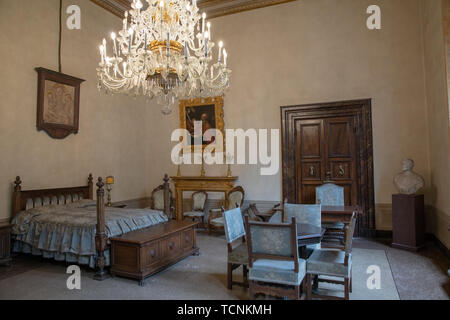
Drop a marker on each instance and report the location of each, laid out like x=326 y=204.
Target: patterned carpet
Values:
x=200 y=277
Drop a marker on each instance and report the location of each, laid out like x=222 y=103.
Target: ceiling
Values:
x=213 y=8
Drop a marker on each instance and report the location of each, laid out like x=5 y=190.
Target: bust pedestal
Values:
x=408 y=222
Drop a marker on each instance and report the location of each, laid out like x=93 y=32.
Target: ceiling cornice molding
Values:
x=213 y=8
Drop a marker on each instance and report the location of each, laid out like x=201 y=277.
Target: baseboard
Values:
x=438 y=243
x=383 y=234
x=387 y=234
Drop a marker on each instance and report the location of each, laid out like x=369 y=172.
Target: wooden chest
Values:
x=141 y=253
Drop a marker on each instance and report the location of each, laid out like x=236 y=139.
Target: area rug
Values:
x=198 y=277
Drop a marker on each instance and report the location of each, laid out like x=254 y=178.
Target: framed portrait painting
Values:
x=58 y=103
x=207 y=112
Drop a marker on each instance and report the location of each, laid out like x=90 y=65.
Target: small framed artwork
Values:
x=208 y=111
x=58 y=103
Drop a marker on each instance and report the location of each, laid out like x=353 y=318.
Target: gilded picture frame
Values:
x=58 y=103
x=209 y=111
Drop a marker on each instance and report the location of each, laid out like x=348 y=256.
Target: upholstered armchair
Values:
x=157 y=200
x=237 y=254
x=330 y=194
x=198 y=207
x=334 y=263
x=275 y=268
x=234 y=198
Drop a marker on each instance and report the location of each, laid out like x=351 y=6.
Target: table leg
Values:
x=303 y=252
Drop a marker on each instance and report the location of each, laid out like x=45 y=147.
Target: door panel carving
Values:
x=330 y=142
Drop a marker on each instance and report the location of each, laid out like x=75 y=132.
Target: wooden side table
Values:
x=5 y=244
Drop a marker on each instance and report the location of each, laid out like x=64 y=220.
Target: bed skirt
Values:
x=89 y=260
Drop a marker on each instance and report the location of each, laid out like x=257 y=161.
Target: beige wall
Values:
x=438 y=115
x=316 y=51
x=115 y=131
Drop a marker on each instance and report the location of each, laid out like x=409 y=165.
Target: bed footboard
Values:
x=101 y=239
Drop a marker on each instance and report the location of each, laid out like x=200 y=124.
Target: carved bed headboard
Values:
x=50 y=196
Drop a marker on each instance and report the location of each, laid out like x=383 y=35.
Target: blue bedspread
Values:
x=67 y=232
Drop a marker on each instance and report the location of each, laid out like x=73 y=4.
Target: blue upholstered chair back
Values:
x=271 y=240
x=330 y=195
x=234 y=224
x=304 y=213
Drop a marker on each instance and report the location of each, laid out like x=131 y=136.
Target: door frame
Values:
x=362 y=110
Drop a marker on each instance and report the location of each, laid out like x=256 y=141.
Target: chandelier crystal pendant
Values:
x=164 y=52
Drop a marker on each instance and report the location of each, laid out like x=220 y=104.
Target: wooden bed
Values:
x=57 y=196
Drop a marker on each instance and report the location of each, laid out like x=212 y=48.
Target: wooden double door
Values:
x=330 y=142
x=326 y=151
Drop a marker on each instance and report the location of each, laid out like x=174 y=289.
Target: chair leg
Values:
x=346 y=289
x=297 y=292
x=245 y=274
x=230 y=276
x=250 y=291
x=316 y=282
x=351 y=280
x=308 y=287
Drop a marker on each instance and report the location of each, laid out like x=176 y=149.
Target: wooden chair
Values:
x=253 y=213
x=234 y=198
x=275 y=268
x=157 y=200
x=198 y=207
x=334 y=263
x=330 y=194
x=237 y=254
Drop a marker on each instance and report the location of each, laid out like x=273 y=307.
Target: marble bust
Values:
x=408 y=182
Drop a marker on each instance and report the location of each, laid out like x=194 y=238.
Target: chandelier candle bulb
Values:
x=220 y=51
x=203 y=22
x=130 y=32
x=101 y=54
x=206 y=43
x=113 y=37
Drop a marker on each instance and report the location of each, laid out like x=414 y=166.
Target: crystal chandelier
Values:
x=164 y=52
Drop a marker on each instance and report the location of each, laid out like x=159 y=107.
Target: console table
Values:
x=213 y=184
